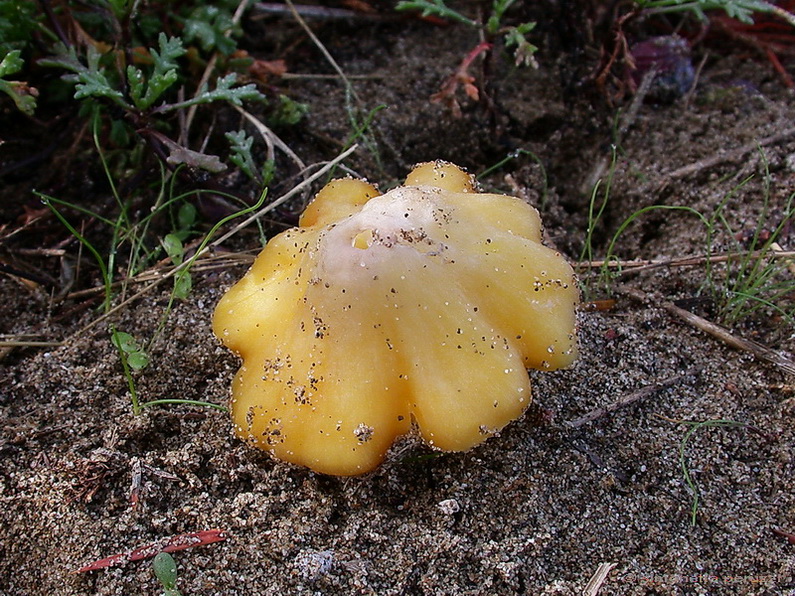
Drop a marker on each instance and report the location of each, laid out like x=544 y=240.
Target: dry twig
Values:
x=762 y=352
x=598 y=578
x=322 y=48
x=206 y=75
x=24 y=343
x=270 y=138
x=628 y=399
x=324 y=13
x=734 y=155
x=635 y=265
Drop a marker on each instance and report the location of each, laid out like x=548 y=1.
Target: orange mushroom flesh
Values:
x=422 y=305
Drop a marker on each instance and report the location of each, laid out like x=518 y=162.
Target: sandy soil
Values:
x=535 y=510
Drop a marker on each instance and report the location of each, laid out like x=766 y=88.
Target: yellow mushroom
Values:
x=423 y=305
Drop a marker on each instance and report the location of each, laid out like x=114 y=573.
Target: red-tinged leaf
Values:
x=790 y=536
x=471 y=91
x=195 y=539
x=262 y=69
x=180 y=542
x=168 y=545
x=113 y=561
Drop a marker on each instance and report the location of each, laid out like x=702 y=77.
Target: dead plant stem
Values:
x=323 y=50
x=760 y=351
x=734 y=155
x=270 y=138
x=635 y=265
x=207 y=72
x=629 y=398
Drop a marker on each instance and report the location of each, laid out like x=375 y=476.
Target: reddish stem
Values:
x=167 y=545
x=790 y=536
x=483 y=46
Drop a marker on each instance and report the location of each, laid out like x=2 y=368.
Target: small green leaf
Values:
x=137 y=83
x=173 y=247
x=202 y=31
x=170 y=50
x=525 y=28
x=182 y=284
x=137 y=360
x=224 y=91
x=158 y=85
x=24 y=96
x=493 y=24
x=165 y=70
x=241 y=145
x=165 y=569
x=90 y=80
x=11 y=63
x=208 y=25
x=186 y=216
x=164 y=74
x=124 y=341
x=289 y=112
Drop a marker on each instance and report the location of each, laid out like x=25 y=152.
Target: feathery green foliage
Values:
x=493 y=27
x=742 y=10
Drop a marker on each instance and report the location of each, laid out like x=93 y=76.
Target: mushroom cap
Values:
x=422 y=304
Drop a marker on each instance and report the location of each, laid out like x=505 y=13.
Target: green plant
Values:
x=129 y=96
x=136 y=79
x=742 y=10
x=594 y=213
x=213 y=27
x=362 y=128
x=122 y=230
x=755 y=278
x=288 y=112
x=611 y=265
x=141 y=253
x=136 y=91
x=240 y=145
x=24 y=96
x=513 y=35
x=492 y=31
x=683 y=459
x=165 y=569
x=131 y=355
x=18 y=22
x=515 y=154
x=109 y=63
